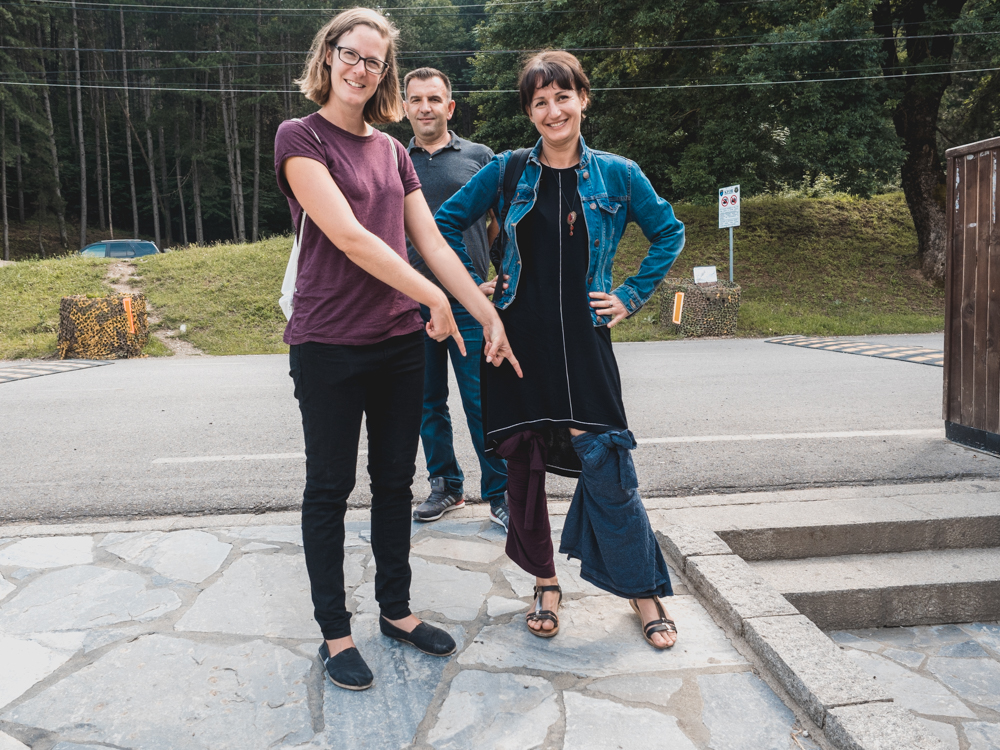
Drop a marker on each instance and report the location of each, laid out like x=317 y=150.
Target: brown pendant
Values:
x=571 y=219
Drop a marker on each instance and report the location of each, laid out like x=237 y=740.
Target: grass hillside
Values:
x=832 y=266
x=810 y=266
x=29 y=301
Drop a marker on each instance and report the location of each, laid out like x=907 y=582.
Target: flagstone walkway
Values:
x=948 y=675
x=163 y=638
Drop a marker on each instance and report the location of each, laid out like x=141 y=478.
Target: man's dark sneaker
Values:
x=500 y=515
x=439 y=502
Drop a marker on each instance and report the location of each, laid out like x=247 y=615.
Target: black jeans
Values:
x=334 y=386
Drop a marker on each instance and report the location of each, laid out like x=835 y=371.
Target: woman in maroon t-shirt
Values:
x=354 y=334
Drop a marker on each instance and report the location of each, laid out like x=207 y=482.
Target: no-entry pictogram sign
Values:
x=729 y=216
x=729 y=207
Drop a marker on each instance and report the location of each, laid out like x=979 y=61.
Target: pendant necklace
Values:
x=571 y=216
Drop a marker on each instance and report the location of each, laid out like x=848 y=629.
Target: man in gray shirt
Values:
x=444 y=162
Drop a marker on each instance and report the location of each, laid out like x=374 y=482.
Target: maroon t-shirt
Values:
x=336 y=302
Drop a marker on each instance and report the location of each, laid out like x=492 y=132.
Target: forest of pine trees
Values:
x=158 y=119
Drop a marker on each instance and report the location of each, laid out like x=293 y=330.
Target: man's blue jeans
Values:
x=435 y=426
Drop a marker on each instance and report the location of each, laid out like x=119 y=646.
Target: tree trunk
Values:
x=128 y=133
x=152 y=187
x=199 y=230
x=69 y=94
x=180 y=188
x=107 y=159
x=150 y=161
x=95 y=110
x=255 y=219
x=80 y=132
x=20 y=176
x=53 y=152
x=232 y=158
x=165 y=195
x=286 y=80
x=923 y=179
x=241 y=222
x=916 y=115
x=3 y=179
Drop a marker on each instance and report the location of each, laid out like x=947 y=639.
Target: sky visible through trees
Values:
x=159 y=118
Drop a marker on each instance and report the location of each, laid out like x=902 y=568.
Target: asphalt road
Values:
x=147 y=437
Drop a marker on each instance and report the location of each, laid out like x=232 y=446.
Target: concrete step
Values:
x=891 y=589
x=822 y=528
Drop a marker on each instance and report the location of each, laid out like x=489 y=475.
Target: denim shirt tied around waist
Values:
x=613 y=191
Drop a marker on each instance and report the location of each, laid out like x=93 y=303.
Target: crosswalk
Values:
x=12 y=371
x=920 y=355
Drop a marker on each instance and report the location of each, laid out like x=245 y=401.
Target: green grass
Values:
x=226 y=295
x=29 y=301
x=831 y=266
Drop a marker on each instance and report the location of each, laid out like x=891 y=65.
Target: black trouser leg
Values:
x=335 y=385
x=393 y=408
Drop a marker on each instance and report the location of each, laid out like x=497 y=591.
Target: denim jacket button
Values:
x=586 y=175
x=597 y=243
x=593 y=206
x=590 y=279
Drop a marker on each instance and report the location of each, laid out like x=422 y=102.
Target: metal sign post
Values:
x=729 y=216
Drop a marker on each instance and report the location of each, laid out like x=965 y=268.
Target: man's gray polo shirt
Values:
x=442 y=174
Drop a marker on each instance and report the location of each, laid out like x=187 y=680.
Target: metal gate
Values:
x=972 y=298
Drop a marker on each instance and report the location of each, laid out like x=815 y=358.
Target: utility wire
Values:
x=514 y=91
x=298 y=64
x=155 y=6
x=418 y=53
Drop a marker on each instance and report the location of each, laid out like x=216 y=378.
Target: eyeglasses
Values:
x=372 y=64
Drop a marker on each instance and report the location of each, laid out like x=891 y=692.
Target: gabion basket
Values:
x=708 y=309
x=112 y=327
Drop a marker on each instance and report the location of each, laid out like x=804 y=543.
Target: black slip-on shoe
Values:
x=424 y=637
x=347 y=669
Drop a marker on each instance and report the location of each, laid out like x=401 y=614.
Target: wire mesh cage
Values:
x=702 y=310
x=111 y=327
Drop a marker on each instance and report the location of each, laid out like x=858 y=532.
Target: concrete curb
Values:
x=854 y=713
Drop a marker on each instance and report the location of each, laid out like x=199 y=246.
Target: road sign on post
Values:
x=729 y=216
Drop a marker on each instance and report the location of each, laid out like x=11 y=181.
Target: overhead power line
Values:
x=429 y=53
x=228 y=8
x=674 y=87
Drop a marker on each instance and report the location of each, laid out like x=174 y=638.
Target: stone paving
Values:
x=948 y=675
x=154 y=638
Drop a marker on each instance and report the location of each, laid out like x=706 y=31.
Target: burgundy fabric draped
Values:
x=529 y=538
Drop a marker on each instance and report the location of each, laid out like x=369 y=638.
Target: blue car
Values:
x=119 y=249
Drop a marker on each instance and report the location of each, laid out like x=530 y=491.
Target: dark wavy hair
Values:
x=551 y=66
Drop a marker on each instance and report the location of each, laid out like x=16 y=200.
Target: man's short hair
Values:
x=425 y=74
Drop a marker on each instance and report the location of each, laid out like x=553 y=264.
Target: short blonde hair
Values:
x=385 y=106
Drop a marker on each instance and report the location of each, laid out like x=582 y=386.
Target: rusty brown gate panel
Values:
x=972 y=298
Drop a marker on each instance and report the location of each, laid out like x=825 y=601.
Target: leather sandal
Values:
x=662 y=625
x=544 y=615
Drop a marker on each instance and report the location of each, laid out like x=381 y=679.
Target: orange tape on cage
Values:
x=678 y=307
x=127 y=304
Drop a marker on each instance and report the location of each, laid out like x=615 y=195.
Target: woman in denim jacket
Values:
x=565 y=220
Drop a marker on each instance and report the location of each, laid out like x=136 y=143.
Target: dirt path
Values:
x=119 y=278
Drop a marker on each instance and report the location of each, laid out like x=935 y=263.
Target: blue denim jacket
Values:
x=613 y=191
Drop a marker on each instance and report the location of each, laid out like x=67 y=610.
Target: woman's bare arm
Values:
x=315 y=190
x=445 y=265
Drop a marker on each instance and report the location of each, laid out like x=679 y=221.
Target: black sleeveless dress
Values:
x=570 y=374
